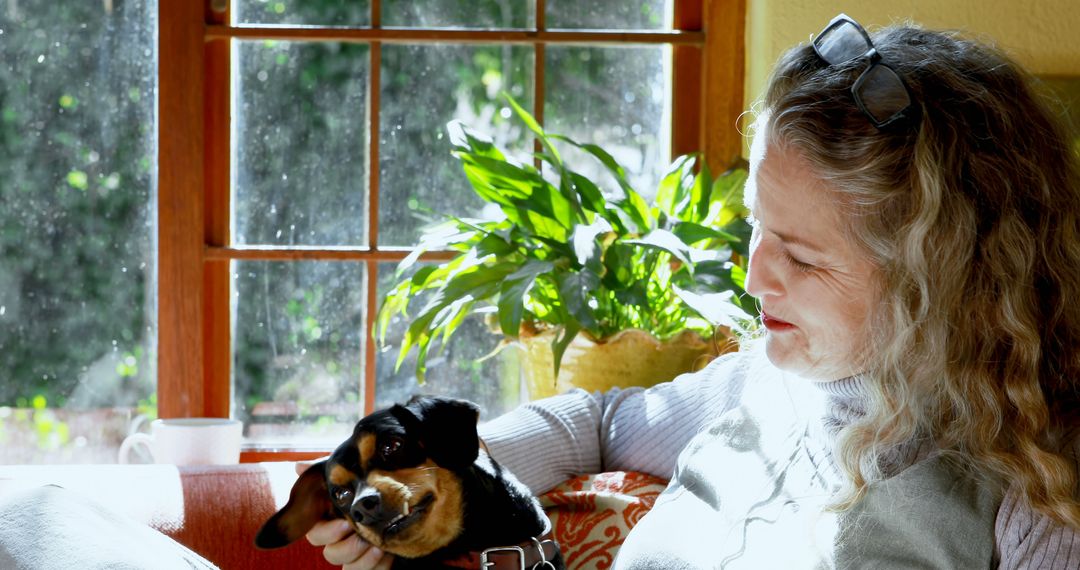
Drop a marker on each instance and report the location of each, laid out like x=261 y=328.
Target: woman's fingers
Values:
x=372 y=559
x=343 y=547
x=329 y=532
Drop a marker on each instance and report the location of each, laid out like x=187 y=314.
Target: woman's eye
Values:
x=342 y=494
x=390 y=446
x=798 y=265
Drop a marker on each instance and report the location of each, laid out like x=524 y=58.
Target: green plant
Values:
x=568 y=258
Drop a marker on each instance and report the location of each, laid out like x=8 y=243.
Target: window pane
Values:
x=301 y=143
x=350 y=13
x=457 y=371
x=297 y=350
x=77 y=265
x=613 y=14
x=617 y=98
x=423 y=88
x=459 y=13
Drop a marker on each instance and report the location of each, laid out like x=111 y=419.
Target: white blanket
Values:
x=53 y=528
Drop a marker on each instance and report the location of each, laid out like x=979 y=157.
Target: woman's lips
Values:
x=774 y=324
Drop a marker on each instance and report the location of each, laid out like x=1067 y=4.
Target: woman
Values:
x=916 y=251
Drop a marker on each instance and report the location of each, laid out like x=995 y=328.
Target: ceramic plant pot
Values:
x=630 y=358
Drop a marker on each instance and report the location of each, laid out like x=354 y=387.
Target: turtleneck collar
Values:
x=845 y=402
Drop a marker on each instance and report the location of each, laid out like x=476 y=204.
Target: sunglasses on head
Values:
x=879 y=91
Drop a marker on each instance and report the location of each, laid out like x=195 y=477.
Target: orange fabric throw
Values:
x=592 y=514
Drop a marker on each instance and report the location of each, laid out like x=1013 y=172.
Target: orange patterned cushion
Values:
x=592 y=514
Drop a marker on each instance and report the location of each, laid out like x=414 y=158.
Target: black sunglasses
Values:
x=879 y=91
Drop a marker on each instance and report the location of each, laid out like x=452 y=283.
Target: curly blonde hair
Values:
x=971 y=211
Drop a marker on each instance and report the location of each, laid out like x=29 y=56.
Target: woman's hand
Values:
x=342 y=546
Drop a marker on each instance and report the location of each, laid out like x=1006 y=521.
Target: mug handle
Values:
x=130 y=442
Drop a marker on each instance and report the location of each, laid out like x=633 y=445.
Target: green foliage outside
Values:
x=76 y=172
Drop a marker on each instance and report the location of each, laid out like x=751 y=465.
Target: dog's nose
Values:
x=367 y=508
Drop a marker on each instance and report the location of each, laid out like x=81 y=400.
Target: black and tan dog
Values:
x=412 y=481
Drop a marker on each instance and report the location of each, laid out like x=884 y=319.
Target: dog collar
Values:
x=533 y=554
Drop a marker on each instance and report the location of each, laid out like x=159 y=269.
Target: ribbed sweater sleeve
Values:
x=1030 y=540
x=548 y=441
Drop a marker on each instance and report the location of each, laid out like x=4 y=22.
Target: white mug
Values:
x=189 y=441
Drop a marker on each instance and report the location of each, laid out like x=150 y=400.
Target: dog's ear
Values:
x=309 y=502
x=447 y=429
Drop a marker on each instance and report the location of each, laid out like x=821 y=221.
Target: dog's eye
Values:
x=390 y=446
x=342 y=495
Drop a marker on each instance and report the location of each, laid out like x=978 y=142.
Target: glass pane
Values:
x=301 y=143
x=77 y=264
x=459 y=370
x=610 y=14
x=342 y=13
x=423 y=88
x=459 y=13
x=616 y=98
x=297 y=350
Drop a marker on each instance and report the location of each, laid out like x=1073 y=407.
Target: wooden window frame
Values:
x=194 y=252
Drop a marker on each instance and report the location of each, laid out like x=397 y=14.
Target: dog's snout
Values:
x=367 y=508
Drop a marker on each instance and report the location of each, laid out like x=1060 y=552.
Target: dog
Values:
x=412 y=481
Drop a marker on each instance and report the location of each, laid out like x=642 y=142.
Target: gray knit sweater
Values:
x=747 y=451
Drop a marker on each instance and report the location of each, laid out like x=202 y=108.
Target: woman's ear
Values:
x=447 y=429
x=309 y=503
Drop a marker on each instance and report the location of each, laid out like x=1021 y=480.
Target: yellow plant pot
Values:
x=630 y=358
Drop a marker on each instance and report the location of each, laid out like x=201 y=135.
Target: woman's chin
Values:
x=784 y=356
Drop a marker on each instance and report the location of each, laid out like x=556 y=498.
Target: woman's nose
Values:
x=761 y=277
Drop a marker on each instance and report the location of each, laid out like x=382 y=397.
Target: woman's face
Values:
x=815 y=288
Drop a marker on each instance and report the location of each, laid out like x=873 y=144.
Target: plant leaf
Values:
x=512 y=294
x=738 y=275
x=619 y=265
x=586 y=247
x=466 y=139
x=591 y=196
x=635 y=295
x=632 y=203
x=666 y=241
x=672 y=188
x=716 y=308
x=576 y=289
x=691 y=233
x=700 y=194
x=562 y=340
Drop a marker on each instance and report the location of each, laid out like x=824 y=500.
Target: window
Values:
x=301 y=147
x=77 y=288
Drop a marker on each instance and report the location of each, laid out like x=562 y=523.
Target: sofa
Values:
x=217 y=510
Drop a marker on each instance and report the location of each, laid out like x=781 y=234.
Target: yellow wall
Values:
x=1044 y=35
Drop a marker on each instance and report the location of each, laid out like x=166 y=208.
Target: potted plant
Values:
x=567 y=266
